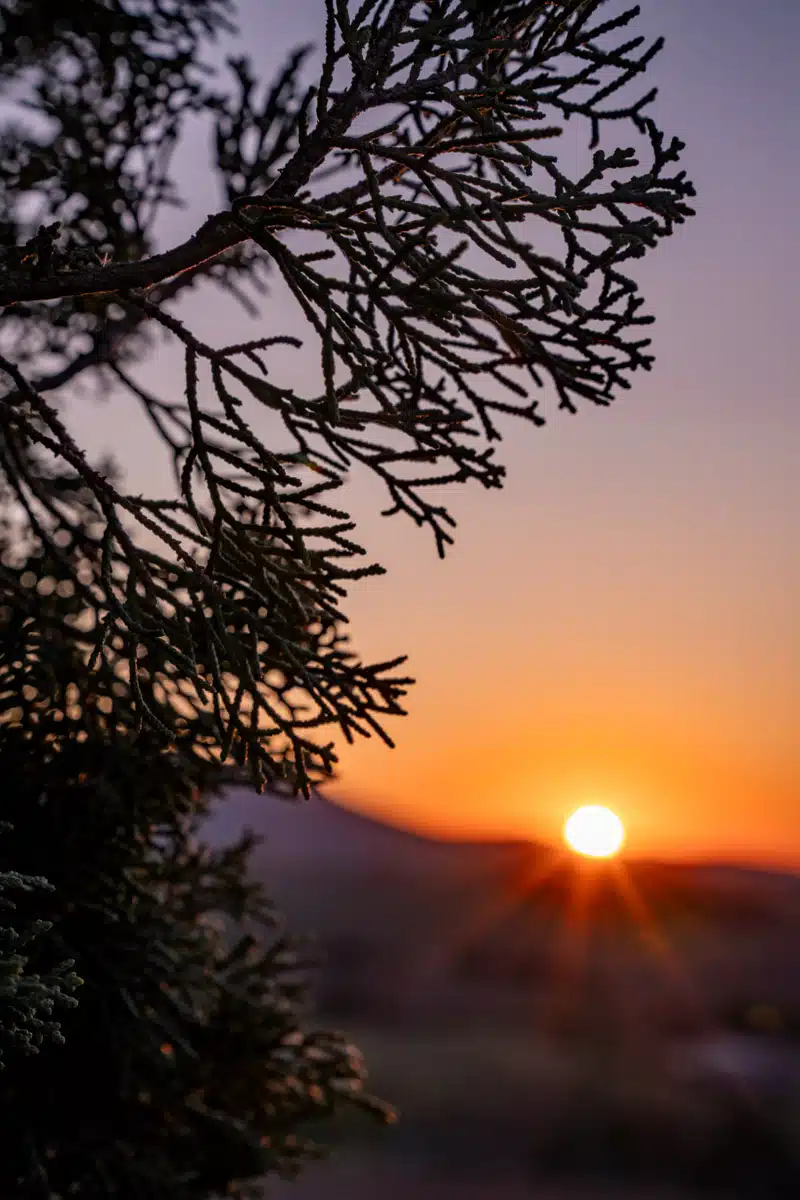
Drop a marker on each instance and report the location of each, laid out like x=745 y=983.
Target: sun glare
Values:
x=594 y=831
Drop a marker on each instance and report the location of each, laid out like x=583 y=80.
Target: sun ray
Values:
x=657 y=942
x=483 y=920
x=569 y=959
x=675 y=969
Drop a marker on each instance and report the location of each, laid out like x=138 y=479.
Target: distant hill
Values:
x=320 y=831
x=522 y=1018
x=418 y=923
x=319 y=858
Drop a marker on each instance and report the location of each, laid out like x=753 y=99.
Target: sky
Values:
x=619 y=624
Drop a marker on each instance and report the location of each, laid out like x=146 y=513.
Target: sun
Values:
x=594 y=831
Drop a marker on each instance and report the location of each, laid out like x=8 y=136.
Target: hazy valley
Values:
x=539 y=1019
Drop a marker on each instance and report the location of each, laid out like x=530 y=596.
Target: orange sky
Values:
x=619 y=625
x=628 y=643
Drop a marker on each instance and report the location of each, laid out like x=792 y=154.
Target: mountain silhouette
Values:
x=321 y=831
x=405 y=921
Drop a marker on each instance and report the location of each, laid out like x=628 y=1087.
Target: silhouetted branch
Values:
x=450 y=273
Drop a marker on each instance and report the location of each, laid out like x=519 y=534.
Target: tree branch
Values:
x=217 y=234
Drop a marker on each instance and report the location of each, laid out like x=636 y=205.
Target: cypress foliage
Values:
x=28 y=1001
x=451 y=275
x=186 y=1069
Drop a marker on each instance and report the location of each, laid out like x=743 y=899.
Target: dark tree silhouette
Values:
x=451 y=275
x=412 y=201
x=188 y=1068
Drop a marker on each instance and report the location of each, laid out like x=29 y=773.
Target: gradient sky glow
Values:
x=620 y=624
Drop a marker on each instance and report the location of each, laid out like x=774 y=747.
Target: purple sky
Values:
x=621 y=620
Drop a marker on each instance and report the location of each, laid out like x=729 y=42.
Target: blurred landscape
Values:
x=546 y=1027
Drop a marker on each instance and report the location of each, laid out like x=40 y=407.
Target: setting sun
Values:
x=595 y=831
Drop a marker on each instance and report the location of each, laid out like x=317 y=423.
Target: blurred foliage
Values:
x=186 y=1070
x=28 y=1001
